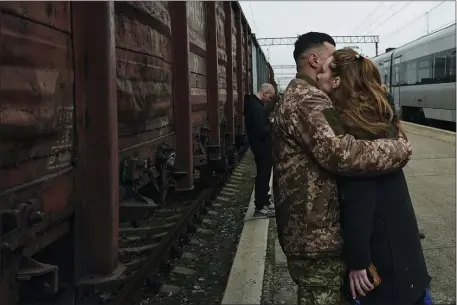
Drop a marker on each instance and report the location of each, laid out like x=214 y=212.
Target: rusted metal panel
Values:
x=181 y=93
x=228 y=110
x=53 y=14
x=212 y=71
x=243 y=55
x=144 y=95
x=144 y=74
x=234 y=68
x=220 y=25
x=246 y=61
x=239 y=121
x=234 y=61
x=37 y=104
x=55 y=190
x=196 y=21
x=222 y=58
x=198 y=85
x=222 y=87
x=94 y=40
x=144 y=77
x=250 y=63
x=154 y=13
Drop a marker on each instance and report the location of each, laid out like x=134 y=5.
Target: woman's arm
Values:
x=359 y=201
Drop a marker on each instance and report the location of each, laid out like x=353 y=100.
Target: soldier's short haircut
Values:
x=309 y=40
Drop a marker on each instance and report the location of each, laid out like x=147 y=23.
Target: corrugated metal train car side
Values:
x=218 y=137
x=144 y=77
x=85 y=86
x=271 y=77
x=37 y=104
x=197 y=27
x=37 y=121
x=260 y=65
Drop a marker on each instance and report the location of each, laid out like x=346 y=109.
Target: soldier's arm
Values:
x=344 y=155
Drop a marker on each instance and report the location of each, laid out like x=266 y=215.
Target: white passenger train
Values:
x=421 y=77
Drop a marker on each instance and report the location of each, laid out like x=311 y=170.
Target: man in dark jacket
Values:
x=259 y=136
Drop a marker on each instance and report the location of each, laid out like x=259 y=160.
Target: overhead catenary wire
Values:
x=414 y=20
x=361 y=24
x=388 y=9
x=392 y=15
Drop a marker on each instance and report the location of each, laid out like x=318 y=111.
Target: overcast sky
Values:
x=396 y=23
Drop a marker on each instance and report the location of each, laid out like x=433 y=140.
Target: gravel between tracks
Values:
x=200 y=275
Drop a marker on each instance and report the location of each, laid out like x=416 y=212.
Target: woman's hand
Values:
x=359 y=283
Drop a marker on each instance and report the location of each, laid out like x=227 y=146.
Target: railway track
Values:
x=146 y=247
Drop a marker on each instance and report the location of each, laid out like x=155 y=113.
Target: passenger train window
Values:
x=411 y=73
x=451 y=65
x=397 y=75
x=386 y=72
x=435 y=68
x=382 y=72
x=396 y=65
x=424 y=71
x=439 y=68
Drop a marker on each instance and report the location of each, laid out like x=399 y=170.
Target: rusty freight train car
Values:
x=104 y=107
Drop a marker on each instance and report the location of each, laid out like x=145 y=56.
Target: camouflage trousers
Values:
x=319 y=280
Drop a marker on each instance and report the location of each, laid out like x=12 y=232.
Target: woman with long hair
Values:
x=382 y=249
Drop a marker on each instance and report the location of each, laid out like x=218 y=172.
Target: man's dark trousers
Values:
x=264 y=163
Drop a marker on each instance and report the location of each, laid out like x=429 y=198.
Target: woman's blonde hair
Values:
x=362 y=99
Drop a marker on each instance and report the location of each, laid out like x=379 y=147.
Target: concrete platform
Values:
x=245 y=282
x=431 y=180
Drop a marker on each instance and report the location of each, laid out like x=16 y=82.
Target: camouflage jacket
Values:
x=307 y=154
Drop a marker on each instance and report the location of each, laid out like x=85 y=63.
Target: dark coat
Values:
x=379 y=226
x=256 y=122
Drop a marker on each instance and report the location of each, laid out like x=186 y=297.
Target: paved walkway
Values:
x=259 y=273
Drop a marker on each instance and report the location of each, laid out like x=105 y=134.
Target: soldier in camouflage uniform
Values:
x=306 y=153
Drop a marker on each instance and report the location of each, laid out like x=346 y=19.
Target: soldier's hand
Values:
x=359 y=283
x=409 y=148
